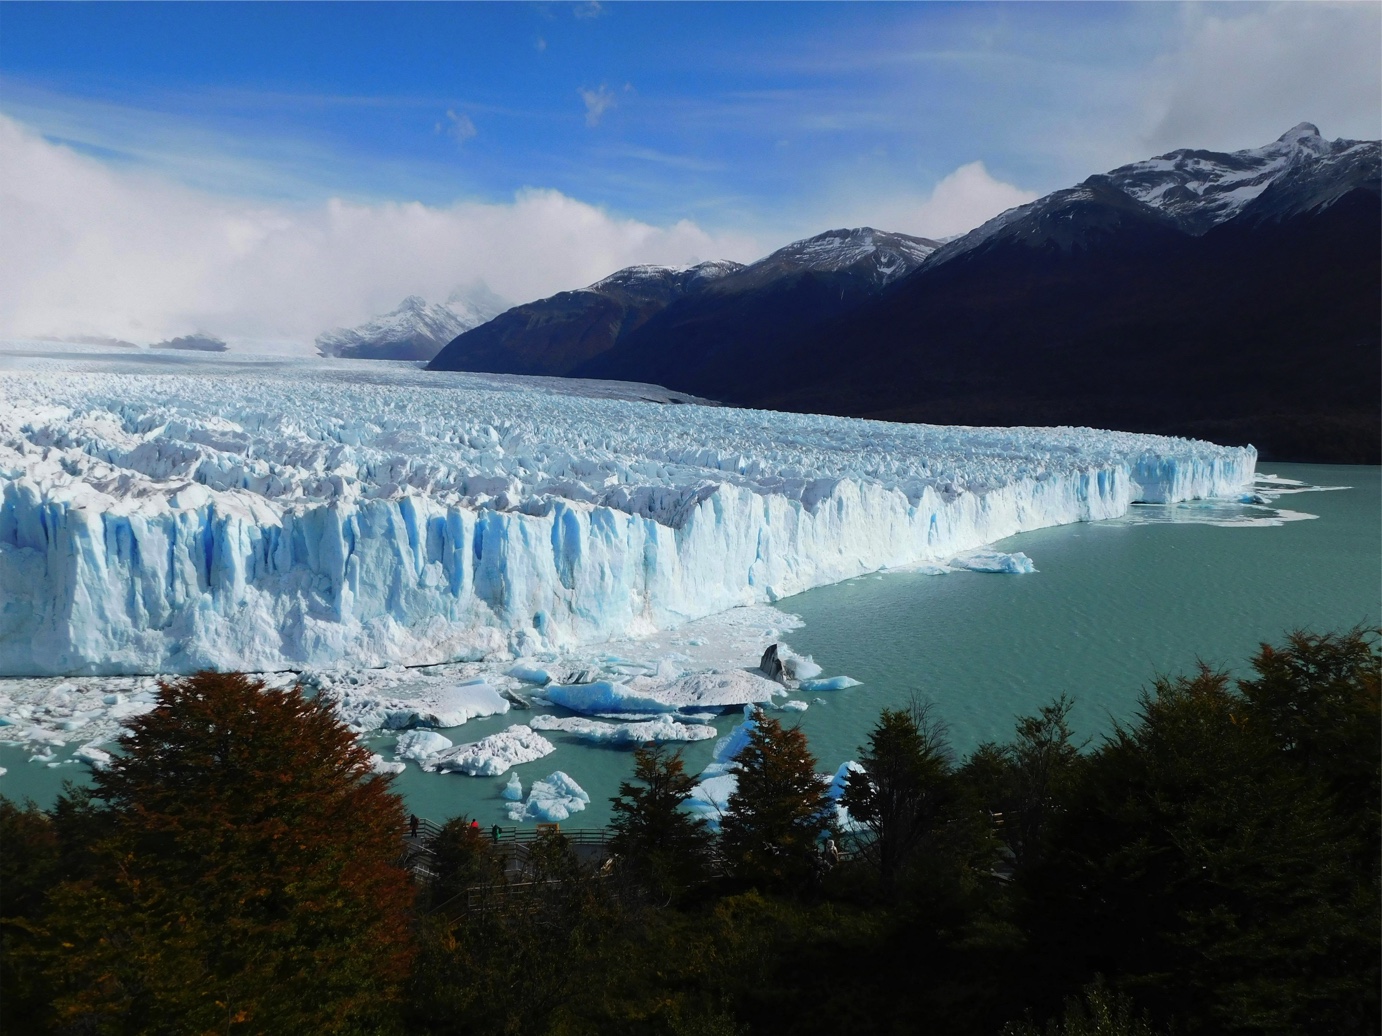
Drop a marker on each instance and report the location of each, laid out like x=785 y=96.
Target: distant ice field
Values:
x=162 y=515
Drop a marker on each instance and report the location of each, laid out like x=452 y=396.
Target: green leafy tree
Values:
x=660 y=842
x=242 y=874
x=1316 y=701
x=1213 y=876
x=903 y=788
x=1024 y=783
x=772 y=827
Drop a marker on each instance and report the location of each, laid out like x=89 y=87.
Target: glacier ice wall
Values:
x=304 y=516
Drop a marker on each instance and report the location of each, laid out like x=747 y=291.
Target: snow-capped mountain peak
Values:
x=887 y=256
x=1306 y=134
x=1200 y=189
x=656 y=281
x=414 y=330
x=1194 y=190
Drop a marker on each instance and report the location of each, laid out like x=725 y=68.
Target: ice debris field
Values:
x=522 y=540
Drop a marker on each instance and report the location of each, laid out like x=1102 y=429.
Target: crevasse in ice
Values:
x=295 y=517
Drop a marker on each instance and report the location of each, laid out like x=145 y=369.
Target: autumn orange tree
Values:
x=241 y=874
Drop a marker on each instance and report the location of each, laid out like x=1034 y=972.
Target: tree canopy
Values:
x=664 y=844
x=772 y=829
x=241 y=873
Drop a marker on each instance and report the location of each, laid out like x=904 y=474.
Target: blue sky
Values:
x=751 y=123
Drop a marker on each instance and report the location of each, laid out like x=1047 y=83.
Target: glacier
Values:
x=283 y=516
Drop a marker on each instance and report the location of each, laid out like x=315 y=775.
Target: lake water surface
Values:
x=1111 y=605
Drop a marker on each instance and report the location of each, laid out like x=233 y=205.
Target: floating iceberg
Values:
x=994 y=561
x=433 y=707
x=660 y=730
x=530 y=674
x=831 y=683
x=94 y=757
x=419 y=745
x=378 y=764
x=304 y=515
x=604 y=696
x=493 y=755
x=551 y=800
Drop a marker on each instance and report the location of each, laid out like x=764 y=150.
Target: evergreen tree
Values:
x=1212 y=876
x=902 y=789
x=462 y=857
x=660 y=842
x=771 y=831
x=242 y=876
x=1046 y=763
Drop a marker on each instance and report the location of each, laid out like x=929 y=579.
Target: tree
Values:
x=30 y=865
x=1317 y=700
x=462 y=858
x=1027 y=779
x=664 y=845
x=1098 y=1012
x=778 y=812
x=903 y=786
x=244 y=877
x=1216 y=876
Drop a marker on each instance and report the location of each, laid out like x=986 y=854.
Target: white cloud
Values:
x=965 y=199
x=958 y=203
x=459 y=127
x=597 y=102
x=95 y=250
x=1243 y=75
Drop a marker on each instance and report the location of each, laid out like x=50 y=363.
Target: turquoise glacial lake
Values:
x=1111 y=605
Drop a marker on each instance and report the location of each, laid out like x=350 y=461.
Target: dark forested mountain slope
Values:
x=631 y=319
x=1231 y=296
x=1256 y=331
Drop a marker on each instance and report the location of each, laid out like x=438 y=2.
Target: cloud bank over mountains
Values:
x=99 y=250
x=96 y=250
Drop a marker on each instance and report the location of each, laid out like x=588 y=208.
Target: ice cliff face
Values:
x=312 y=515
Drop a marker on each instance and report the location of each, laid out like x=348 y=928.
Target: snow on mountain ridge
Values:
x=1203 y=188
x=647 y=278
x=415 y=329
x=1195 y=190
x=892 y=255
x=157 y=523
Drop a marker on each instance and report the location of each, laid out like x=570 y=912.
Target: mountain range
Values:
x=1229 y=296
x=623 y=321
x=415 y=330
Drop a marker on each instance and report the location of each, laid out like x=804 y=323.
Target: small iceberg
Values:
x=550 y=800
x=1016 y=564
x=493 y=755
x=830 y=683
x=659 y=730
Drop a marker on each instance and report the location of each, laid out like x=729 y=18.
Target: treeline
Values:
x=1210 y=867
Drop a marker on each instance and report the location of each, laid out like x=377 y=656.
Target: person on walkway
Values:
x=475 y=826
x=412 y=825
x=494 y=833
